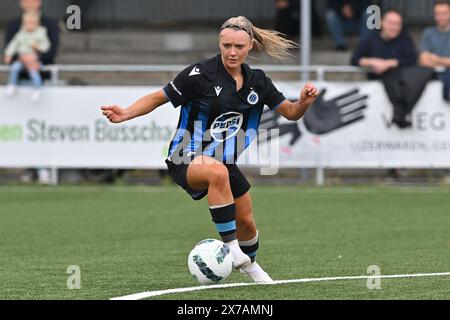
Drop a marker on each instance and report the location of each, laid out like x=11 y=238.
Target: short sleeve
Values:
x=185 y=87
x=273 y=98
x=425 y=43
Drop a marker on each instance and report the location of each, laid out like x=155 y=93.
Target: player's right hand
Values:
x=114 y=113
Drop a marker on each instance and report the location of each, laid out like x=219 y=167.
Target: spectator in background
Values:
x=435 y=44
x=287 y=19
x=391 y=56
x=51 y=26
x=346 y=16
x=27 y=44
x=435 y=48
x=12 y=28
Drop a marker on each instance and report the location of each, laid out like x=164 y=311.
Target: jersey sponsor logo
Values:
x=194 y=72
x=218 y=90
x=226 y=126
x=253 y=98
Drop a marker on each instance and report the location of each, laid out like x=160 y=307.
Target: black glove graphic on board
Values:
x=326 y=116
x=321 y=118
x=269 y=120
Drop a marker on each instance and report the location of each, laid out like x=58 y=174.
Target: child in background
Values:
x=28 y=43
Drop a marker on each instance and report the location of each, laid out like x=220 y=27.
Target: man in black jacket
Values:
x=346 y=16
x=391 y=56
x=287 y=18
x=52 y=29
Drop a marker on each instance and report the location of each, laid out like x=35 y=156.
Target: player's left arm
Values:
x=295 y=110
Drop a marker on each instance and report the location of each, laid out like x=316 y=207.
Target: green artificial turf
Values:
x=127 y=240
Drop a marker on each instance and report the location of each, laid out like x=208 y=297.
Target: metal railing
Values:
x=319 y=70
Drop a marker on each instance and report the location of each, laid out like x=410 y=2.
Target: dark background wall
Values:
x=143 y=12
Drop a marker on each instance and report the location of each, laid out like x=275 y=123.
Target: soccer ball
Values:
x=210 y=261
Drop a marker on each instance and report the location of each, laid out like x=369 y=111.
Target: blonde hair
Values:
x=274 y=43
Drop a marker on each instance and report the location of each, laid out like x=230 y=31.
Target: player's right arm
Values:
x=144 y=105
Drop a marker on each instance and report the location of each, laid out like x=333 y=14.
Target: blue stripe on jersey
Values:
x=252 y=126
x=168 y=99
x=209 y=150
x=228 y=154
x=185 y=111
x=252 y=254
x=228 y=226
x=275 y=108
x=199 y=130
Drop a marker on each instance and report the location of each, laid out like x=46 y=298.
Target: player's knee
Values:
x=218 y=174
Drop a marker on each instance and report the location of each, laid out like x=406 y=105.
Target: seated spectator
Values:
x=391 y=56
x=435 y=48
x=435 y=44
x=13 y=27
x=287 y=18
x=51 y=26
x=27 y=44
x=344 y=17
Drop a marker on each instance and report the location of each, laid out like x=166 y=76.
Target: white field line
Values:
x=148 y=294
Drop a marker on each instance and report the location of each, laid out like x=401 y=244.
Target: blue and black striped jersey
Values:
x=215 y=119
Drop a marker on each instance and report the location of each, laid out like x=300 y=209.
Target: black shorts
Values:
x=178 y=172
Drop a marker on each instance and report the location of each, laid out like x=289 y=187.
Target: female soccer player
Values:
x=222 y=100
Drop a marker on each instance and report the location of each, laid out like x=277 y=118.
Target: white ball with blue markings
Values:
x=210 y=261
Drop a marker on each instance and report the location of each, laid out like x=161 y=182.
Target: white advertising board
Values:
x=66 y=129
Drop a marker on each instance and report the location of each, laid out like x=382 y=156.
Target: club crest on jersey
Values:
x=253 y=98
x=226 y=126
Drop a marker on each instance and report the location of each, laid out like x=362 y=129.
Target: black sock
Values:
x=224 y=216
x=250 y=247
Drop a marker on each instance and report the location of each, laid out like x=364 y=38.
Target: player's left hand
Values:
x=309 y=94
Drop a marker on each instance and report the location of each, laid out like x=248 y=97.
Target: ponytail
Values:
x=272 y=42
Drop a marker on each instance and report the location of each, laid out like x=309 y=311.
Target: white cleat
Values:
x=240 y=259
x=257 y=273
